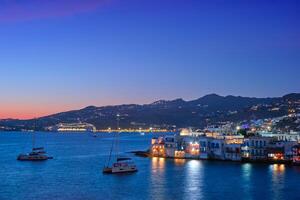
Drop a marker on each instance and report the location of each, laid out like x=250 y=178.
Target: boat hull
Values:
x=33 y=158
x=118 y=170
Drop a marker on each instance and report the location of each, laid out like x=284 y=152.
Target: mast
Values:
x=33 y=134
x=117 y=136
x=114 y=143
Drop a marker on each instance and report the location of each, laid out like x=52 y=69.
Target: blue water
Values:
x=75 y=173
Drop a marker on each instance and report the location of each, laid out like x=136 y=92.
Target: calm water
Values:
x=75 y=173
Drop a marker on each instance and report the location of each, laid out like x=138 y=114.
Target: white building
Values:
x=289 y=136
x=233 y=151
x=170 y=143
x=216 y=148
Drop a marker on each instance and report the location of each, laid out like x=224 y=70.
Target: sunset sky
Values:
x=58 y=55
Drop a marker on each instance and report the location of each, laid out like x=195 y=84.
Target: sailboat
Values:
x=121 y=164
x=37 y=153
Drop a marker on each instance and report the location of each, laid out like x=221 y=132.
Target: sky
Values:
x=60 y=55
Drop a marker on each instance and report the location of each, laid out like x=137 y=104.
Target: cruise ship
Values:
x=73 y=127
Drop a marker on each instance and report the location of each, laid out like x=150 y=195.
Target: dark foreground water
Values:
x=75 y=173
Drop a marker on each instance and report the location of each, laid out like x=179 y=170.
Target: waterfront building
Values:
x=225 y=147
x=296 y=154
x=203 y=141
x=232 y=151
x=157 y=147
x=255 y=148
x=260 y=148
x=275 y=150
x=193 y=150
x=216 y=148
x=245 y=149
x=190 y=146
x=170 y=146
x=288 y=149
x=212 y=145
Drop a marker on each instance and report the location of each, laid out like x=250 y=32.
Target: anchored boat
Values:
x=37 y=153
x=121 y=164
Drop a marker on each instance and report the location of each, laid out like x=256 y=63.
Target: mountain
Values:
x=204 y=111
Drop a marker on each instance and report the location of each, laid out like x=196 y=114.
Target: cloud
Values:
x=24 y=10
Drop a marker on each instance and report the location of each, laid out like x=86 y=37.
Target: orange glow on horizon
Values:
x=15 y=108
x=31 y=111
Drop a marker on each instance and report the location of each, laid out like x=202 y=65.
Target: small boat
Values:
x=122 y=164
x=37 y=154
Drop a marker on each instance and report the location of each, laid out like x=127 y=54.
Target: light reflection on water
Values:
x=158 y=178
x=277 y=172
x=277 y=169
x=179 y=162
x=193 y=180
x=246 y=176
x=158 y=164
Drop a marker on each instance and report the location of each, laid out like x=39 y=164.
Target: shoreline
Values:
x=146 y=154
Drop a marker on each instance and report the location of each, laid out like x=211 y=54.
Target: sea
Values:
x=75 y=173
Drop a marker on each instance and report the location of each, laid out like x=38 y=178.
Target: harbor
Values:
x=76 y=172
x=149 y=100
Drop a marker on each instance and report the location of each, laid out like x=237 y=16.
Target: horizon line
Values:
x=122 y=104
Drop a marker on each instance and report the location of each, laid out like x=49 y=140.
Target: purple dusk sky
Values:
x=58 y=55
